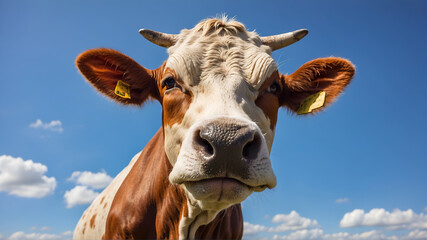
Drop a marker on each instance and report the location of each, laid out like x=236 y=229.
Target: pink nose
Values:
x=227 y=146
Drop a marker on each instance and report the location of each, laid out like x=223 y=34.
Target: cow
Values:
x=220 y=92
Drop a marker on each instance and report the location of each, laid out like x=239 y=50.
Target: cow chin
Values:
x=217 y=193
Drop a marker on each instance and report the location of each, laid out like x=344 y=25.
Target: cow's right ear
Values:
x=104 y=68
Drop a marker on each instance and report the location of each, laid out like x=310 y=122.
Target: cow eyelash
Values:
x=169 y=83
x=274 y=88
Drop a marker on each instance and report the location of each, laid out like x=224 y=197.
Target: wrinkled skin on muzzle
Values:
x=222 y=161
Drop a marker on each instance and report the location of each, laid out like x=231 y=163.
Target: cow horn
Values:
x=283 y=40
x=162 y=39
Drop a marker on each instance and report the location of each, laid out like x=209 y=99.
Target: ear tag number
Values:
x=312 y=102
x=122 y=89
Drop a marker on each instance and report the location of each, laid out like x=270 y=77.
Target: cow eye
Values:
x=274 y=88
x=169 y=83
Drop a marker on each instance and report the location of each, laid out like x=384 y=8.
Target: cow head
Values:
x=220 y=90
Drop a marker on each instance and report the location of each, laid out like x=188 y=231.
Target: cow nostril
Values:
x=251 y=149
x=208 y=147
x=204 y=145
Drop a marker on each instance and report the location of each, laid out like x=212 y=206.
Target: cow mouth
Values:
x=226 y=182
x=221 y=189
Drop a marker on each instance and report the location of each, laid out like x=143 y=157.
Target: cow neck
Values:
x=148 y=206
x=199 y=224
x=195 y=218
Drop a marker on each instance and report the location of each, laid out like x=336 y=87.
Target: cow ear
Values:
x=104 y=68
x=324 y=77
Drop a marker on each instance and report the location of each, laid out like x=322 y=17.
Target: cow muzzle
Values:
x=223 y=160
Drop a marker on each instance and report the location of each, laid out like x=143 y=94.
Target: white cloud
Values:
x=34 y=236
x=302 y=235
x=381 y=217
x=417 y=234
x=370 y=235
x=374 y=234
x=94 y=180
x=54 y=125
x=288 y=222
x=342 y=200
x=20 y=235
x=305 y=228
x=337 y=236
x=67 y=233
x=292 y=222
x=24 y=178
x=84 y=193
x=79 y=195
x=319 y=235
x=253 y=229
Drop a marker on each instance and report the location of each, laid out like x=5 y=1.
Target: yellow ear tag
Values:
x=312 y=102
x=122 y=89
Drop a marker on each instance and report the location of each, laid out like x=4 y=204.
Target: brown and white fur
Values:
x=220 y=90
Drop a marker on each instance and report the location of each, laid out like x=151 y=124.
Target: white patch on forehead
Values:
x=260 y=66
x=186 y=65
x=196 y=56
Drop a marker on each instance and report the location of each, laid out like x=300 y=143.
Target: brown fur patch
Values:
x=175 y=101
x=92 y=221
x=331 y=75
x=228 y=224
x=175 y=105
x=102 y=200
x=103 y=68
x=268 y=102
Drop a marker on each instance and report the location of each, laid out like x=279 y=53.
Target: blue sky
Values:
x=362 y=162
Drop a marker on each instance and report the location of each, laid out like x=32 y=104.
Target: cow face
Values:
x=220 y=145
x=220 y=91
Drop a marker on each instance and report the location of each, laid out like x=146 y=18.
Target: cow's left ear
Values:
x=328 y=76
x=118 y=76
